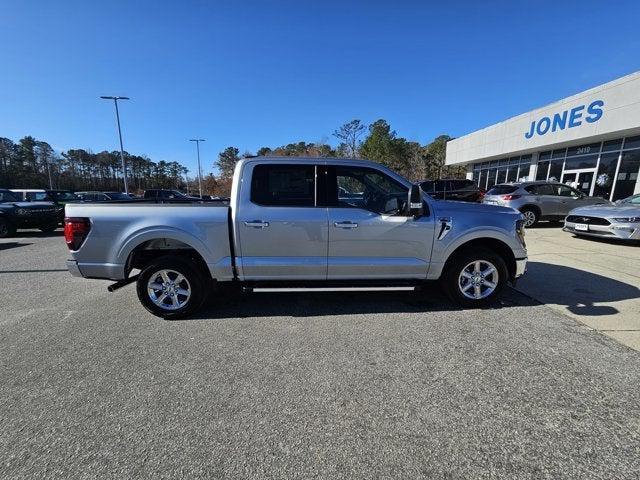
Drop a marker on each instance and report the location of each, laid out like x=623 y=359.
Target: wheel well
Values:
x=492 y=244
x=150 y=250
x=535 y=208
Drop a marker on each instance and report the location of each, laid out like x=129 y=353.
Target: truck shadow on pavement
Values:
x=9 y=245
x=578 y=290
x=353 y=302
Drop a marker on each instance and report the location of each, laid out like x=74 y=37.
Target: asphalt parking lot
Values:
x=304 y=385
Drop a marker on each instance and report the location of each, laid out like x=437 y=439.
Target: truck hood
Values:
x=452 y=207
x=607 y=211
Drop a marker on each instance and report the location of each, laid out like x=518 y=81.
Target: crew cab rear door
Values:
x=369 y=235
x=282 y=233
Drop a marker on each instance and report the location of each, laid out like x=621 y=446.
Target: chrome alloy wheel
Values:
x=478 y=279
x=529 y=218
x=169 y=289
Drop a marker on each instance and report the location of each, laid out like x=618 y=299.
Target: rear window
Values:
x=502 y=190
x=283 y=185
x=455 y=184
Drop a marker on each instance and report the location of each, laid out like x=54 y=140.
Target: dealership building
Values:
x=590 y=140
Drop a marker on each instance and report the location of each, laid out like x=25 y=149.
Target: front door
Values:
x=369 y=235
x=582 y=180
x=282 y=233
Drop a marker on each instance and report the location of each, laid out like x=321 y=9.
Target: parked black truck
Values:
x=15 y=214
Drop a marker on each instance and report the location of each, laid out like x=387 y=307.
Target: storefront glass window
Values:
x=627 y=177
x=555 y=170
x=512 y=173
x=612 y=145
x=606 y=175
x=543 y=170
x=585 y=161
x=583 y=149
x=491 y=180
x=544 y=156
x=559 y=153
x=631 y=142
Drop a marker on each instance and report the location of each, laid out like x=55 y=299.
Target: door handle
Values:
x=257 y=224
x=345 y=224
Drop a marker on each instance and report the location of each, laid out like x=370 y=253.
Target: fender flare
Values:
x=139 y=237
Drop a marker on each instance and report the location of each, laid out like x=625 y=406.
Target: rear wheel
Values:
x=6 y=228
x=475 y=278
x=531 y=216
x=171 y=287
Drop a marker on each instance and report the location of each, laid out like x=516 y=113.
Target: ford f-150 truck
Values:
x=300 y=222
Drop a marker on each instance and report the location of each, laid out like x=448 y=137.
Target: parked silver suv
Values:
x=540 y=200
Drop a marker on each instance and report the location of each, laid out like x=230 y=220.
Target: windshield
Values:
x=64 y=196
x=7 y=196
x=632 y=200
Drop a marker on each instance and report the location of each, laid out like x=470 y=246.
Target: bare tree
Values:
x=350 y=134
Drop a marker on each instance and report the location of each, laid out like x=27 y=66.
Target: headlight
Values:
x=628 y=220
x=22 y=211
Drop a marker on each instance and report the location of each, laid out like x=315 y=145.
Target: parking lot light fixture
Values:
x=198 y=140
x=124 y=167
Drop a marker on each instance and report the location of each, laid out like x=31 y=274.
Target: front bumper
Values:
x=521 y=267
x=621 y=231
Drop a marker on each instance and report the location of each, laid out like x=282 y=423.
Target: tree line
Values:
x=377 y=142
x=32 y=163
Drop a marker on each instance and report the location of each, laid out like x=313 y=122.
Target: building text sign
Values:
x=567 y=119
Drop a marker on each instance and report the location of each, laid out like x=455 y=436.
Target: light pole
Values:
x=198 y=140
x=124 y=167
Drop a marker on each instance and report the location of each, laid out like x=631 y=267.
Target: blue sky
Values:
x=251 y=74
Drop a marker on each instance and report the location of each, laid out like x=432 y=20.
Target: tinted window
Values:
x=502 y=190
x=632 y=142
x=283 y=185
x=37 y=196
x=8 y=197
x=584 y=149
x=565 y=191
x=543 y=189
x=369 y=189
x=612 y=145
x=428 y=186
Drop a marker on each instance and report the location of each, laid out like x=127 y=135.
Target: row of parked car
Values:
x=536 y=200
x=44 y=209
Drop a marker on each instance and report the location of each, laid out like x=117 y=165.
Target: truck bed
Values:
x=117 y=228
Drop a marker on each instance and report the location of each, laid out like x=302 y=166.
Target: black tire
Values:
x=196 y=284
x=531 y=216
x=6 y=228
x=452 y=283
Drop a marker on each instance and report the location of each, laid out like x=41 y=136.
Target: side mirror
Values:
x=415 y=207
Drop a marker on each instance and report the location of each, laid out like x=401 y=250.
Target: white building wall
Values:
x=620 y=117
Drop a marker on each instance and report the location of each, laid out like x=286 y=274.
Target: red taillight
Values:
x=75 y=231
x=510 y=197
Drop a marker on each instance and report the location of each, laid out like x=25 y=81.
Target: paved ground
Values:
x=594 y=281
x=334 y=385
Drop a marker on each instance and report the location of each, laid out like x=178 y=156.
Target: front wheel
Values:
x=171 y=287
x=475 y=278
x=6 y=228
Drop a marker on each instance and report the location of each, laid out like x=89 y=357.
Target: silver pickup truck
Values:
x=300 y=222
